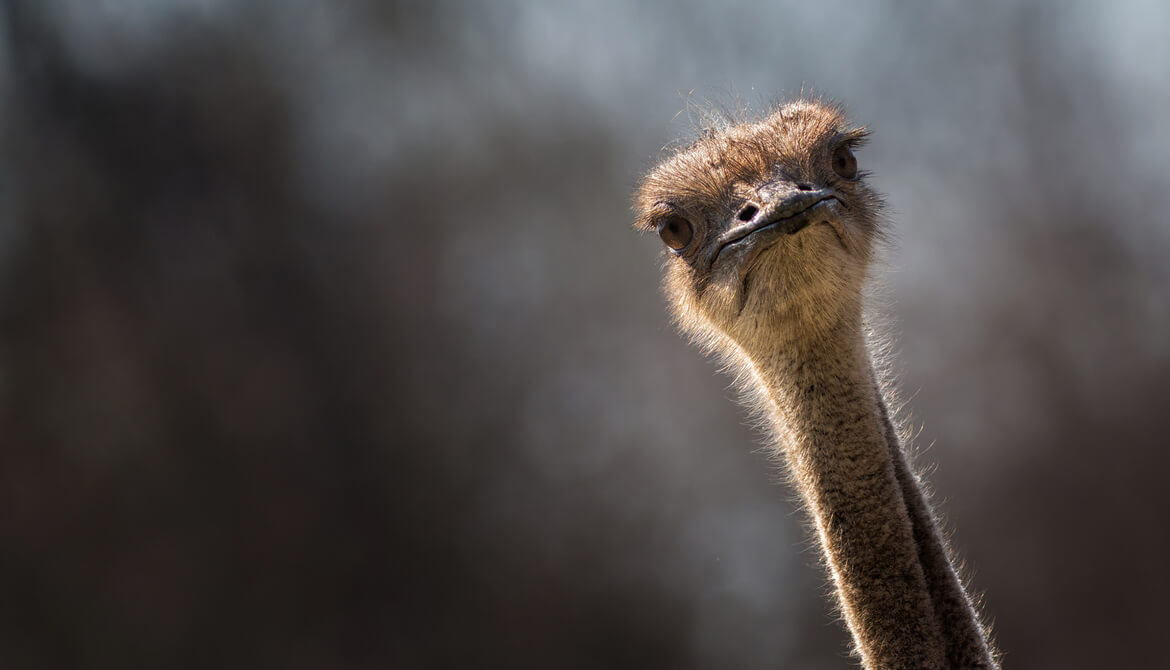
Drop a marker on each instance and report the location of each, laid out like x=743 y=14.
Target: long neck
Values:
x=899 y=595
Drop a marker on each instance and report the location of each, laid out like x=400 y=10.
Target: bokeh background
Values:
x=325 y=341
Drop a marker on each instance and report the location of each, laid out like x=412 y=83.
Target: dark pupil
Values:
x=673 y=226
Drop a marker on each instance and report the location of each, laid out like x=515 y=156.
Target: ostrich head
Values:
x=769 y=225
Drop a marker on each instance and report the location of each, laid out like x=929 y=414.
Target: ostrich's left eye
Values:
x=676 y=232
x=844 y=162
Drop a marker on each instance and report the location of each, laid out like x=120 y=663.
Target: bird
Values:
x=771 y=233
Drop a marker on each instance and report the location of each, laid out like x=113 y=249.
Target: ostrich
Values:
x=771 y=229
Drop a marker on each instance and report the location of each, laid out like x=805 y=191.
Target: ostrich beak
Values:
x=787 y=213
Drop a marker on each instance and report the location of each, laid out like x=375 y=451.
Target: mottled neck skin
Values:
x=901 y=599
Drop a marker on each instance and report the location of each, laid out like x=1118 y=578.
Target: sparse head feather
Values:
x=708 y=170
x=739 y=208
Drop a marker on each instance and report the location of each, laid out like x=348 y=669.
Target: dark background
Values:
x=325 y=341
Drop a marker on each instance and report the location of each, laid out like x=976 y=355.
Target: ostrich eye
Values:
x=844 y=162
x=676 y=232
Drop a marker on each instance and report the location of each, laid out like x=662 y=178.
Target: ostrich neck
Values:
x=900 y=597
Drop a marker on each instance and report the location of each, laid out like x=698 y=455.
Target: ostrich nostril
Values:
x=748 y=212
x=804 y=187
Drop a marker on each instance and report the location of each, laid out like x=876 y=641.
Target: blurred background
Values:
x=325 y=341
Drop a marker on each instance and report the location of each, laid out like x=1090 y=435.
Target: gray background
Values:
x=325 y=340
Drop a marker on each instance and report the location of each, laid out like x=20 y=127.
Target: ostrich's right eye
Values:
x=676 y=232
